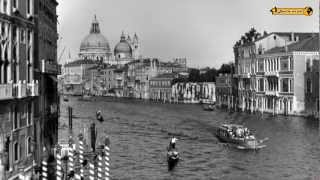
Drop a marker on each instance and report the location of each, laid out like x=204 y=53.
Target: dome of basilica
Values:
x=95 y=42
x=123 y=47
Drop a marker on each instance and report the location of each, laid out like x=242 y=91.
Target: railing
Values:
x=272 y=73
x=33 y=88
x=6 y=91
x=20 y=89
x=272 y=93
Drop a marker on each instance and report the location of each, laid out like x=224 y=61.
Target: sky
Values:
x=203 y=31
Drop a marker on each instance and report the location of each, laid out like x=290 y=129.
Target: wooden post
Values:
x=70 y=117
x=91 y=171
x=107 y=159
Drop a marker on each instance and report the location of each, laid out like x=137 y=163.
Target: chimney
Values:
x=285 y=46
x=292 y=36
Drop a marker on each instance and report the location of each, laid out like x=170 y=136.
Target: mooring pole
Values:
x=70 y=118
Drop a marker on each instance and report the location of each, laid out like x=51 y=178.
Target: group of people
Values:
x=240 y=132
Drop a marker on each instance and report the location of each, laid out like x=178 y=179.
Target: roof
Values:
x=164 y=76
x=232 y=126
x=80 y=62
x=302 y=35
x=309 y=44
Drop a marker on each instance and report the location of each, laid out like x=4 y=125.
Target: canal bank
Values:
x=140 y=131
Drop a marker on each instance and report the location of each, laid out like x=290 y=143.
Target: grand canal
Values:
x=140 y=131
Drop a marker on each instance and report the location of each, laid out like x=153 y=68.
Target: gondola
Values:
x=172 y=159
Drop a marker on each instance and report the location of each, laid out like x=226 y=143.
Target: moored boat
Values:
x=239 y=136
x=208 y=107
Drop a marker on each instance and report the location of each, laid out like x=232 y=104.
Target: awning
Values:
x=54 y=78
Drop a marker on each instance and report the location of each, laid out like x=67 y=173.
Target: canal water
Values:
x=140 y=132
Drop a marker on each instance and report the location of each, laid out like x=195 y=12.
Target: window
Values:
x=274 y=37
x=22 y=36
x=15 y=4
x=15 y=117
x=309 y=86
x=284 y=64
x=29 y=118
x=16 y=151
x=308 y=65
x=291 y=63
x=28 y=6
x=29 y=146
x=261 y=85
x=285 y=85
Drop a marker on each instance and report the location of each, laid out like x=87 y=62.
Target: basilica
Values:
x=96 y=47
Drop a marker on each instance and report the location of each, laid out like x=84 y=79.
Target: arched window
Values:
x=16 y=151
x=309 y=86
x=29 y=146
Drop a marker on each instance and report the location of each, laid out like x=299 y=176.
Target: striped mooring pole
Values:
x=106 y=161
x=59 y=167
x=71 y=155
x=44 y=170
x=100 y=166
x=81 y=157
x=91 y=171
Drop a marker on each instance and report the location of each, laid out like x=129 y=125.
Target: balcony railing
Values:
x=33 y=88
x=272 y=93
x=6 y=91
x=272 y=73
x=20 y=89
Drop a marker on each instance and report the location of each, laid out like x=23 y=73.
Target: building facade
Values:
x=161 y=87
x=224 y=90
x=19 y=89
x=249 y=68
x=46 y=121
x=311 y=84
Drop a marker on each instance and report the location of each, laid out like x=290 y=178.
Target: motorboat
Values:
x=172 y=159
x=239 y=136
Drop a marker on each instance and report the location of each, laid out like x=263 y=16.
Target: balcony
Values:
x=33 y=88
x=20 y=89
x=50 y=67
x=272 y=93
x=272 y=73
x=6 y=91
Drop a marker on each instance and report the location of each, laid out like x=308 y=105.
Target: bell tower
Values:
x=136 y=47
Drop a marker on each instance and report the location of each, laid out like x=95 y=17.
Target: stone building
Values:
x=311 y=85
x=76 y=74
x=224 y=91
x=19 y=88
x=247 y=71
x=46 y=121
x=161 y=87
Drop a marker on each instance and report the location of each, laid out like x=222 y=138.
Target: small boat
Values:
x=239 y=136
x=172 y=158
x=99 y=116
x=65 y=98
x=208 y=107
